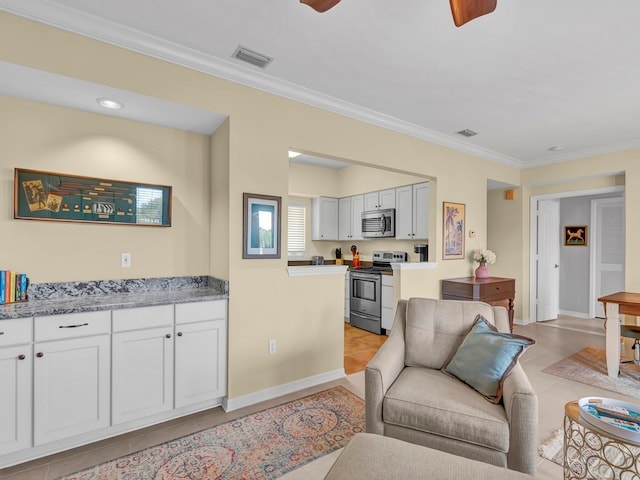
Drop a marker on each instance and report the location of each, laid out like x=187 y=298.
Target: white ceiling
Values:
x=532 y=75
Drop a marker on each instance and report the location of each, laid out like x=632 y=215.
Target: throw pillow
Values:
x=486 y=357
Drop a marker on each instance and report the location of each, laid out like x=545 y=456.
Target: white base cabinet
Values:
x=387 y=301
x=73 y=379
x=201 y=346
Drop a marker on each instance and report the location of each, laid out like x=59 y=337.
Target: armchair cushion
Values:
x=486 y=357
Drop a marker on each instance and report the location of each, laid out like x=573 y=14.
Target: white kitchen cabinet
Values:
x=71 y=381
x=380 y=200
x=200 y=352
x=142 y=359
x=15 y=394
x=347 y=298
x=387 y=300
x=350 y=217
x=412 y=212
x=324 y=218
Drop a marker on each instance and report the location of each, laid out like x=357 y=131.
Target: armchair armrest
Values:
x=382 y=371
x=521 y=406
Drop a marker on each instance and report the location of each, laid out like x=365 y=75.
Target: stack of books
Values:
x=13 y=286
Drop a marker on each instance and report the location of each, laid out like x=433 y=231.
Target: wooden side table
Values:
x=495 y=291
x=591 y=453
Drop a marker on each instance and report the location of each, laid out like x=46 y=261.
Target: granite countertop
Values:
x=96 y=299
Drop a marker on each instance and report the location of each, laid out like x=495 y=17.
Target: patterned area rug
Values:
x=589 y=366
x=551 y=449
x=263 y=445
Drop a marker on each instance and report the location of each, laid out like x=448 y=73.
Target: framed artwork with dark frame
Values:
x=453 y=230
x=63 y=197
x=261 y=226
x=575 y=236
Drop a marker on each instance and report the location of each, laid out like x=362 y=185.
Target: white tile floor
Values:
x=555 y=340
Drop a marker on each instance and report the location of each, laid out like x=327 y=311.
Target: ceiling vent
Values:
x=467 y=133
x=252 y=57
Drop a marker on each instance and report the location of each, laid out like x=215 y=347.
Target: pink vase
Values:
x=482 y=271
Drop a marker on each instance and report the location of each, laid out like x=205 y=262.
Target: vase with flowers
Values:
x=483 y=257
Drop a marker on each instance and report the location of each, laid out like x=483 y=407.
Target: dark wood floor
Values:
x=359 y=347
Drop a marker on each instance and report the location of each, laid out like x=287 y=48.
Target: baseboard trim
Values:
x=573 y=314
x=230 y=404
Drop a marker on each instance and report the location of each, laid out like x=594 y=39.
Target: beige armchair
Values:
x=408 y=397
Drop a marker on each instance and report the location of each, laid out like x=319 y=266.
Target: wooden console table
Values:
x=495 y=291
x=624 y=303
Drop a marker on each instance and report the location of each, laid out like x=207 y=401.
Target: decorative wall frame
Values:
x=261 y=226
x=62 y=197
x=575 y=235
x=453 y=227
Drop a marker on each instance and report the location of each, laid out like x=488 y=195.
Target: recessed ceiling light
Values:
x=293 y=154
x=467 y=133
x=110 y=104
x=556 y=148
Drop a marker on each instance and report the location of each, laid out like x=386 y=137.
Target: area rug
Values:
x=551 y=448
x=264 y=445
x=589 y=366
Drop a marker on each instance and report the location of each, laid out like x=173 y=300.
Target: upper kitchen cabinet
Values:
x=380 y=200
x=324 y=218
x=350 y=217
x=412 y=212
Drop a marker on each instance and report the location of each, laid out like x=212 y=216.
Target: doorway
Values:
x=573 y=294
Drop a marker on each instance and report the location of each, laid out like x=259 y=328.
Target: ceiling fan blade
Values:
x=466 y=10
x=320 y=5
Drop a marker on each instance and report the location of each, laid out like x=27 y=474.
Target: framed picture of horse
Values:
x=575 y=236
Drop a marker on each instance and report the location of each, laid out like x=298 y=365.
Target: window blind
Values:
x=296 y=226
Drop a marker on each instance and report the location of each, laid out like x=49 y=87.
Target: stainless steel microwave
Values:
x=379 y=223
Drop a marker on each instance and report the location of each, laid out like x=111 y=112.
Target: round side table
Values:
x=591 y=453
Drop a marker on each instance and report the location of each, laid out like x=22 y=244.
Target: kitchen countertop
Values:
x=141 y=296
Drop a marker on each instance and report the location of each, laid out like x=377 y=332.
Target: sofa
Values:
x=373 y=457
x=411 y=395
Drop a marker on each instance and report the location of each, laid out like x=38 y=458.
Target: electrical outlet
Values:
x=272 y=347
x=126 y=260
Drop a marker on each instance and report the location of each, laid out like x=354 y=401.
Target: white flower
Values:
x=484 y=256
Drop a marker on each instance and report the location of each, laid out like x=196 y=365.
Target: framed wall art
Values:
x=63 y=197
x=575 y=236
x=261 y=226
x=453 y=230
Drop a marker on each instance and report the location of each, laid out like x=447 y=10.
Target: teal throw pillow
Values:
x=486 y=357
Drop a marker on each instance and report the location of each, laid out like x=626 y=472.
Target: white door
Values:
x=70 y=387
x=607 y=254
x=200 y=373
x=142 y=373
x=421 y=211
x=548 y=258
x=387 y=198
x=357 y=207
x=15 y=398
x=344 y=219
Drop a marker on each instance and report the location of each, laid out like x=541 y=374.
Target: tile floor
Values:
x=555 y=340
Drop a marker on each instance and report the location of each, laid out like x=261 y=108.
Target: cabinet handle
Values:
x=168 y=335
x=74 y=326
x=39 y=354
x=21 y=357
x=179 y=334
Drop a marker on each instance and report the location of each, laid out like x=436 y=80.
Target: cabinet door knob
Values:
x=179 y=334
x=40 y=354
x=21 y=357
x=168 y=335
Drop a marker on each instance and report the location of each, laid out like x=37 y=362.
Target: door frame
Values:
x=533 y=235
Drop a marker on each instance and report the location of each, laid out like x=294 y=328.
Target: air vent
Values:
x=467 y=133
x=252 y=57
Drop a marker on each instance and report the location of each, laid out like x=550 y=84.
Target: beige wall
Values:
x=209 y=176
x=44 y=137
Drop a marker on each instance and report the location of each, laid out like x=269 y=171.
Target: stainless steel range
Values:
x=366 y=291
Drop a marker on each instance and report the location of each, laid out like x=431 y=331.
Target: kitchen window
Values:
x=296 y=221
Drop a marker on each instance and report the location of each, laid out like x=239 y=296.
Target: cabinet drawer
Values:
x=54 y=327
x=16 y=331
x=143 y=317
x=497 y=290
x=200 y=311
